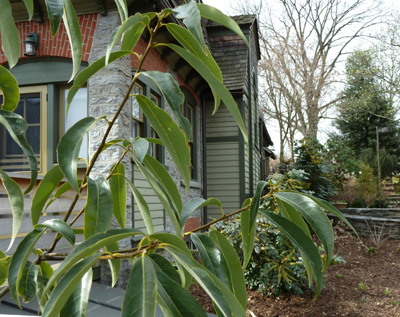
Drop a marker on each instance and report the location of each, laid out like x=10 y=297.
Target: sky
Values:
x=225 y=7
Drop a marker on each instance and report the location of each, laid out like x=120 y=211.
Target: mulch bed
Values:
x=342 y=296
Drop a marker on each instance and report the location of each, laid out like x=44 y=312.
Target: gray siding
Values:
x=221 y=124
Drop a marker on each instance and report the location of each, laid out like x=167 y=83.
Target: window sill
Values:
x=23 y=175
x=193 y=184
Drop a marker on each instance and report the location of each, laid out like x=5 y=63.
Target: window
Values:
x=137 y=114
x=188 y=110
x=32 y=106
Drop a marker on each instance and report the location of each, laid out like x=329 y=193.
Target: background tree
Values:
x=364 y=109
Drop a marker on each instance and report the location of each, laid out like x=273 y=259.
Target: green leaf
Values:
x=172 y=94
x=133 y=34
x=165 y=266
x=248 y=236
x=9 y=34
x=43 y=192
x=137 y=23
x=141 y=291
x=99 y=207
x=16 y=127
x=143 y=207
x=19 y=259
x=27 y=284
x=55 y=13
x=122 y=9
x=17 y=203
x=170 y=134
x=115 y=264
x=213 y=81
x=140 y=147
x=212 y=13
x=221 y=295
x=77 y=303
x=118 y=191
x=290 y=213
x=194 y=204
x=40 y=285
x=212 y=257
x=315 y=216
x=29 y=8
x=89 y=71
x=235 y=269
x=4 y=265
x=191 y=18
x=176 y=301
x=45 y=269
x=69 y=146
x=72 y=27
x=255 y=203
x=9 y=87
x=329 y=207
x=87 y=248
x=59 y=226
x=67 y=285
x=301 y=241
x=161 y=174
x=176 y=241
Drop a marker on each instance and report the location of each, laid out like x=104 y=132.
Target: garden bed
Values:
x=343 y=295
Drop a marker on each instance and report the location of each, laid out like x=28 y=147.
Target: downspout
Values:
x=204 y=146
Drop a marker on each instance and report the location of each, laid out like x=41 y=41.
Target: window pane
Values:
x=33 y=137
x=77 y=111
x=136 y=110
x=32 y=106
x=12 y=148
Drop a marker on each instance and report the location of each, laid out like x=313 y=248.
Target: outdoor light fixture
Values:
x=31 y=44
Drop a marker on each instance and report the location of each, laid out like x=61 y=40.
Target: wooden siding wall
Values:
x=156 y=208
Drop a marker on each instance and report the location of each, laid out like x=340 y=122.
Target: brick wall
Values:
x=59 y=45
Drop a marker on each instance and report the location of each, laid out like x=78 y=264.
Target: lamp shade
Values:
x=31 y=44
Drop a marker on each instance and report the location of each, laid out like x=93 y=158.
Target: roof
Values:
x=230 y=52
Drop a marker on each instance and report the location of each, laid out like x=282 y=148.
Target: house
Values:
x=222 y=166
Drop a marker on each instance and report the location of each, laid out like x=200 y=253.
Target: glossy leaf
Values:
x=221 y=295
x=255 y=202
x=69 y=147
x=141 y=147
x=77 y=303
x=172 y=94
x=170 y=134
x=141 y=291
x=191 y=18
x=143 y=207
x=55 y=13
x=40 y=285
x=67 y=285
x=29 y=8
x=165 y=266
x=301 y=241
x=99 y=207
x=118 y=191
x=194 y=204
x=45 y=269
x=213 y=14
x=122 y=9
x=133 y=34
x=213 y=81
x=17 y=203
x=168 y=238
x=138 y=22
x=72 y=27
x=175 y=300
x=19 y=259
x=235 y=269
x=89 y=247
x=16 y=127
x=115 y=264
x=316 y=218
x=88 y=72
x=161 y=174
x=43 y=192
x=10 y=90
x=212 y=257
x=290 y=213
x=248 y=236
x=330 y=208
x=27 y=284
x=4 y=265
x=10 y=42
x=59 y=226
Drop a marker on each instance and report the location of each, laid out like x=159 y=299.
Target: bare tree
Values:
x=303 y=43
